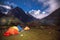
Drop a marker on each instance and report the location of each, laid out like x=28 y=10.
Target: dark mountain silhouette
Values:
x=1 y=14
x=52 y=19
x=3 y=9
x=20 y=14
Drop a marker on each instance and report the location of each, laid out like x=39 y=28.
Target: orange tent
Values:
x=11 y=31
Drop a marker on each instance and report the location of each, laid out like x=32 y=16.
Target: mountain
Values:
x=5 y=8
x=1 y=14
x=20 y=14
x=52 y=19
x=38 y=14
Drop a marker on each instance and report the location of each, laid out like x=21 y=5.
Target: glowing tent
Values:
x=13 y=30
x=26 y=28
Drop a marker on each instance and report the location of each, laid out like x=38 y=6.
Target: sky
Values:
x=36 y=8
x=27 y=5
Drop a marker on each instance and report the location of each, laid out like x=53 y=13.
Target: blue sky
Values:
x=27 y=5
x=37 y=8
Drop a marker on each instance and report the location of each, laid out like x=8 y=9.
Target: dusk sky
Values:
x=27 y=5
x=37 y=6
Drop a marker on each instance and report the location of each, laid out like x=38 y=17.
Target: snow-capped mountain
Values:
x=38 y=14
x=5 y=8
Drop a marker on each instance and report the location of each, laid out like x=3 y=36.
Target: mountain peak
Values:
x=53 y=18
x=20 y=14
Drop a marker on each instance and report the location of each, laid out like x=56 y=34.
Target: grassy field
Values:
x=35 y=34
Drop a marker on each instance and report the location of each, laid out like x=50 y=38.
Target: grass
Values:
x=35 y=34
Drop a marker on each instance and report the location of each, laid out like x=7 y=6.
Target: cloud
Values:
x=38 y=14
x=35 y=12
x=5 y=6
x=53 y=5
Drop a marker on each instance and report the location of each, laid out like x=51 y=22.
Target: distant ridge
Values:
x=53 y=18
x=20 y=14
x=1 y=14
